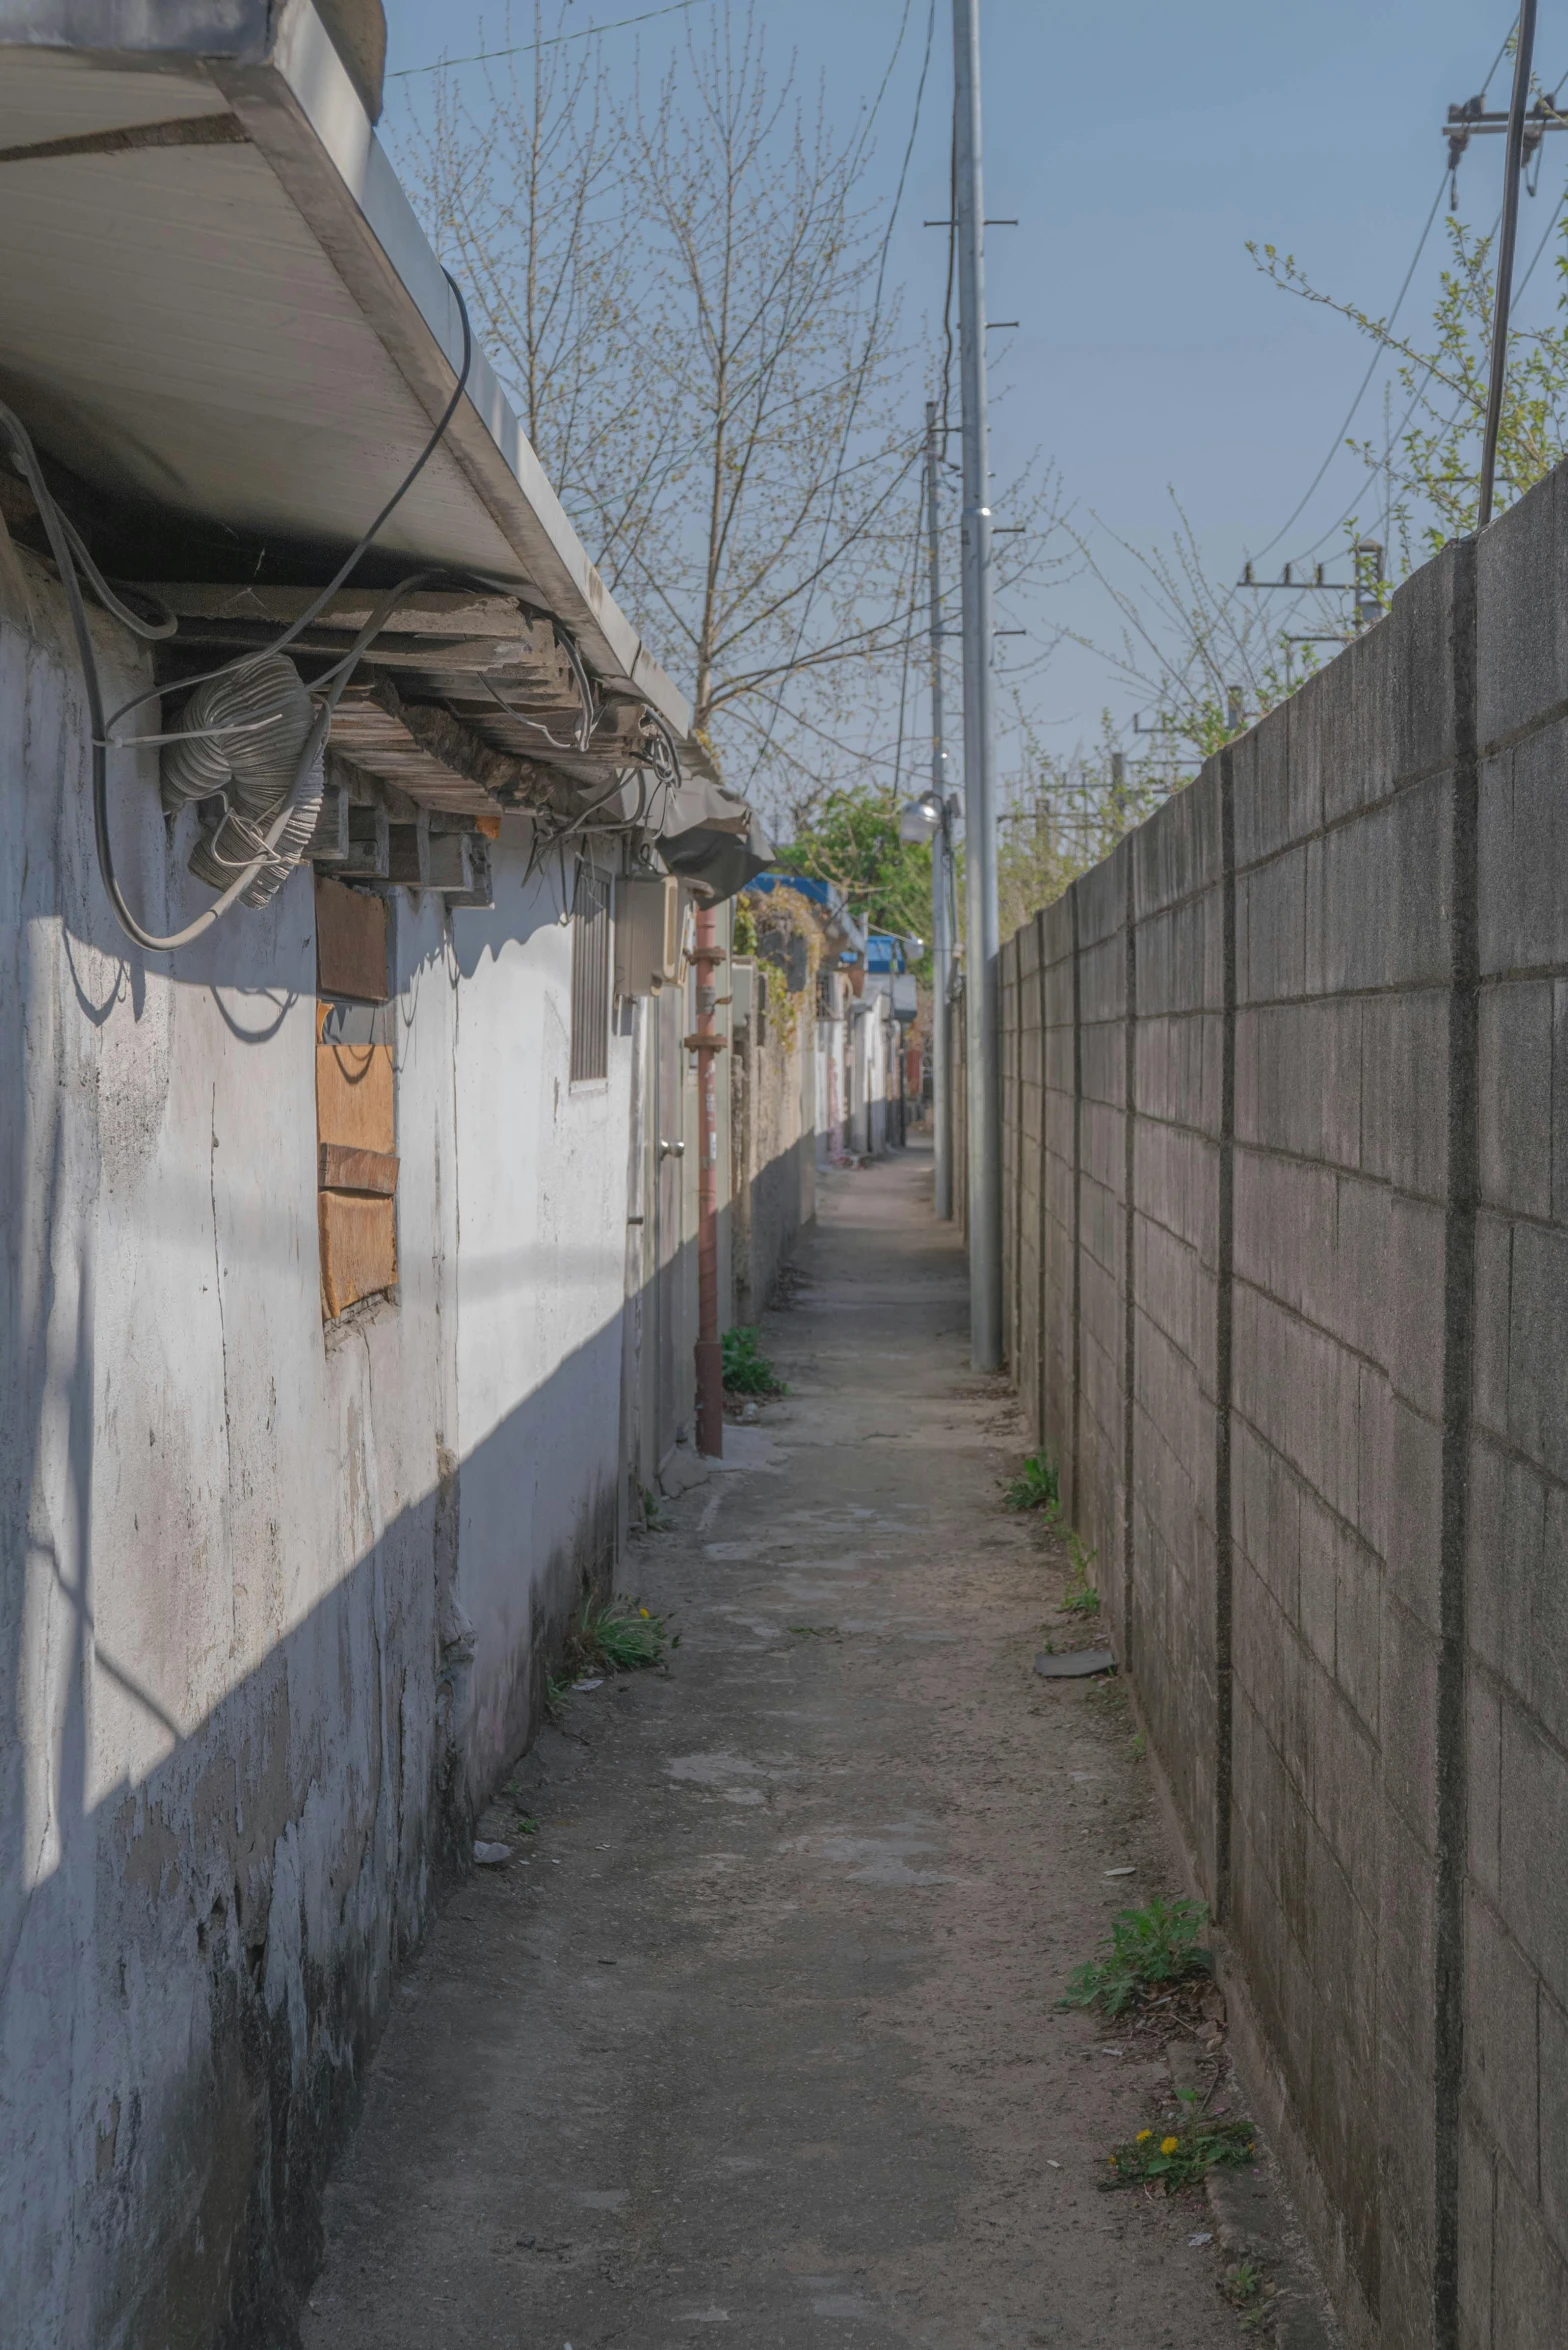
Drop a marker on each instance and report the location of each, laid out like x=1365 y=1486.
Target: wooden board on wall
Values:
x=351 y=942
x=354 y=1094
x=358 y=1248
x=349 y=1170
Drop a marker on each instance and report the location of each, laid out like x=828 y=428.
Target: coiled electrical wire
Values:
x=241 y=730
x=240 y=733
x=245 y=737
x=61 y=534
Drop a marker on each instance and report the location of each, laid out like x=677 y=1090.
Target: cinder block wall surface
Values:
x=1287 y=1170
x=773 y=1136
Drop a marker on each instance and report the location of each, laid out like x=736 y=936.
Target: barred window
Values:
x=590 y=976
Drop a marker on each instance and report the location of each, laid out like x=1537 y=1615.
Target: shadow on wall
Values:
x=781 y=1205
x=193 y=1970
x=519 y=912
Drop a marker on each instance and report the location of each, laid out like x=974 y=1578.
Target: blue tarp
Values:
x=818 y=891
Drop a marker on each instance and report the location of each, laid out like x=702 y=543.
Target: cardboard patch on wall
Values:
x=358 y=1248
x=354 y=1093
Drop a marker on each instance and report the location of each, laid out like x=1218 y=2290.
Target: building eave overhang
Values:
x=215 y=296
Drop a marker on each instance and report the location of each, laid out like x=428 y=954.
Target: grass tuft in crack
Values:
x=616 y=1636
x=1080 y=1597
x=1146 y=1949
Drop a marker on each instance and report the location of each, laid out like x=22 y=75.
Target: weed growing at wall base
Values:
x=616 y=1636
x=747 y=1370
x=1252 y=2293
x=1146 y=1950
x=1080 y=1597
x=656 y=1518
x=1036 y=1486
x=1180 y=2157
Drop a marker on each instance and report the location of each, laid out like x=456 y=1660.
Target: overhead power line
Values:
x=548 y=41
x=868 y=346
x=1398 y=433
x=1338 y=441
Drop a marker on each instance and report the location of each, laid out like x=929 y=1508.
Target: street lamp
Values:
x=920 y=820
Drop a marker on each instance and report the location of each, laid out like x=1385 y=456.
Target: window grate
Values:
x=590 y=976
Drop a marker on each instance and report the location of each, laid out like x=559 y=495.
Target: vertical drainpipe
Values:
x=707 y=1045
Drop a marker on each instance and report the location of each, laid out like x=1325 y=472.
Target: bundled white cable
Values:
x=269 y=858
x=241 y=739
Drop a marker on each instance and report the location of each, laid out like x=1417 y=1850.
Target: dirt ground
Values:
x=757 y=2038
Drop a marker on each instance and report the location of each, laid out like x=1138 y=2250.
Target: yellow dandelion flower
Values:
x=1144 y=2136
x=1169 y=2145
x=642 y=1611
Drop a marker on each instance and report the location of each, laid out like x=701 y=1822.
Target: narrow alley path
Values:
x=761 y=2044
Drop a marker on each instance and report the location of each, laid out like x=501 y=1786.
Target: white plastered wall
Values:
x=232 y=1694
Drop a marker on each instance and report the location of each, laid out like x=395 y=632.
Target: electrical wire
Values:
x=865 y=360
x=1416 y=397
x=550 y=41
x=152 y=631
x=313 y=611
x=64 y=543
x=74 y=561
x=1338 y=441
x=952 y=264
x=909 y=630
x=1503 y=295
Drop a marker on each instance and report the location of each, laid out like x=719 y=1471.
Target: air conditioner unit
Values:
x=647 y=934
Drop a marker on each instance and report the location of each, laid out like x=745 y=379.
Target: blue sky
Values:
x=1140 y=147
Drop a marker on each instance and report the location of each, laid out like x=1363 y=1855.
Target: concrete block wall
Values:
x=1164 y=1605
x=1513 y=2124
x=1102 y=1226
x=1058 y=1335
x=1030 y=1163
x=1009 y=1044
x=774 y=1141
x=1296 y=1346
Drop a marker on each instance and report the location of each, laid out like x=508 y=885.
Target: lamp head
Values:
x=919 y=820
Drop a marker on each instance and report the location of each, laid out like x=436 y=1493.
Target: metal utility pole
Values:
x=983 y=943
x=1513 y=158
x=941 y=859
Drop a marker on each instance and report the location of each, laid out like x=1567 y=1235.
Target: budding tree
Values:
x=680 y=279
